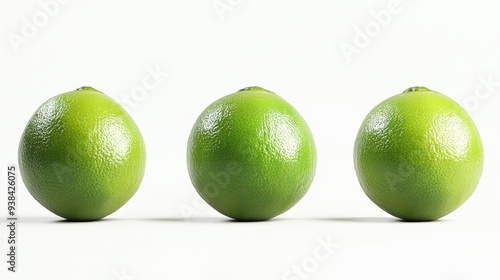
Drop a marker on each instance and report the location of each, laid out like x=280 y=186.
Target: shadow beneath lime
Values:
x=380 y=220
x=48 y=220
x=225 y=220
x=252 y=221
x=208 y=220
x=84 y=222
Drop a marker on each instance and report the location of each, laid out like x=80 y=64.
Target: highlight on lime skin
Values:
x=81 y=155
x=251 y=156
x=418 y=155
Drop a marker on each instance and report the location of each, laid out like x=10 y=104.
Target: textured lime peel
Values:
x=418 y=156
x=81 y=155
x=250 y=155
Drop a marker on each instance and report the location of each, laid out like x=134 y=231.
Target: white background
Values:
x=293 y=48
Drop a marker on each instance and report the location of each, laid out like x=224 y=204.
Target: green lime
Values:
x=251 y=156
x=418 y=155
x=81 y=155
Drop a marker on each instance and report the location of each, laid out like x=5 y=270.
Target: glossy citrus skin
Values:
x=418 y=155
x=250 y=155
x=81 y=155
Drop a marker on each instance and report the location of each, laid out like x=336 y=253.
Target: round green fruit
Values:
x=251 y=156
x=81 y=155
x=418 y=155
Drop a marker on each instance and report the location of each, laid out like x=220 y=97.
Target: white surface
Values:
x=294 y=49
